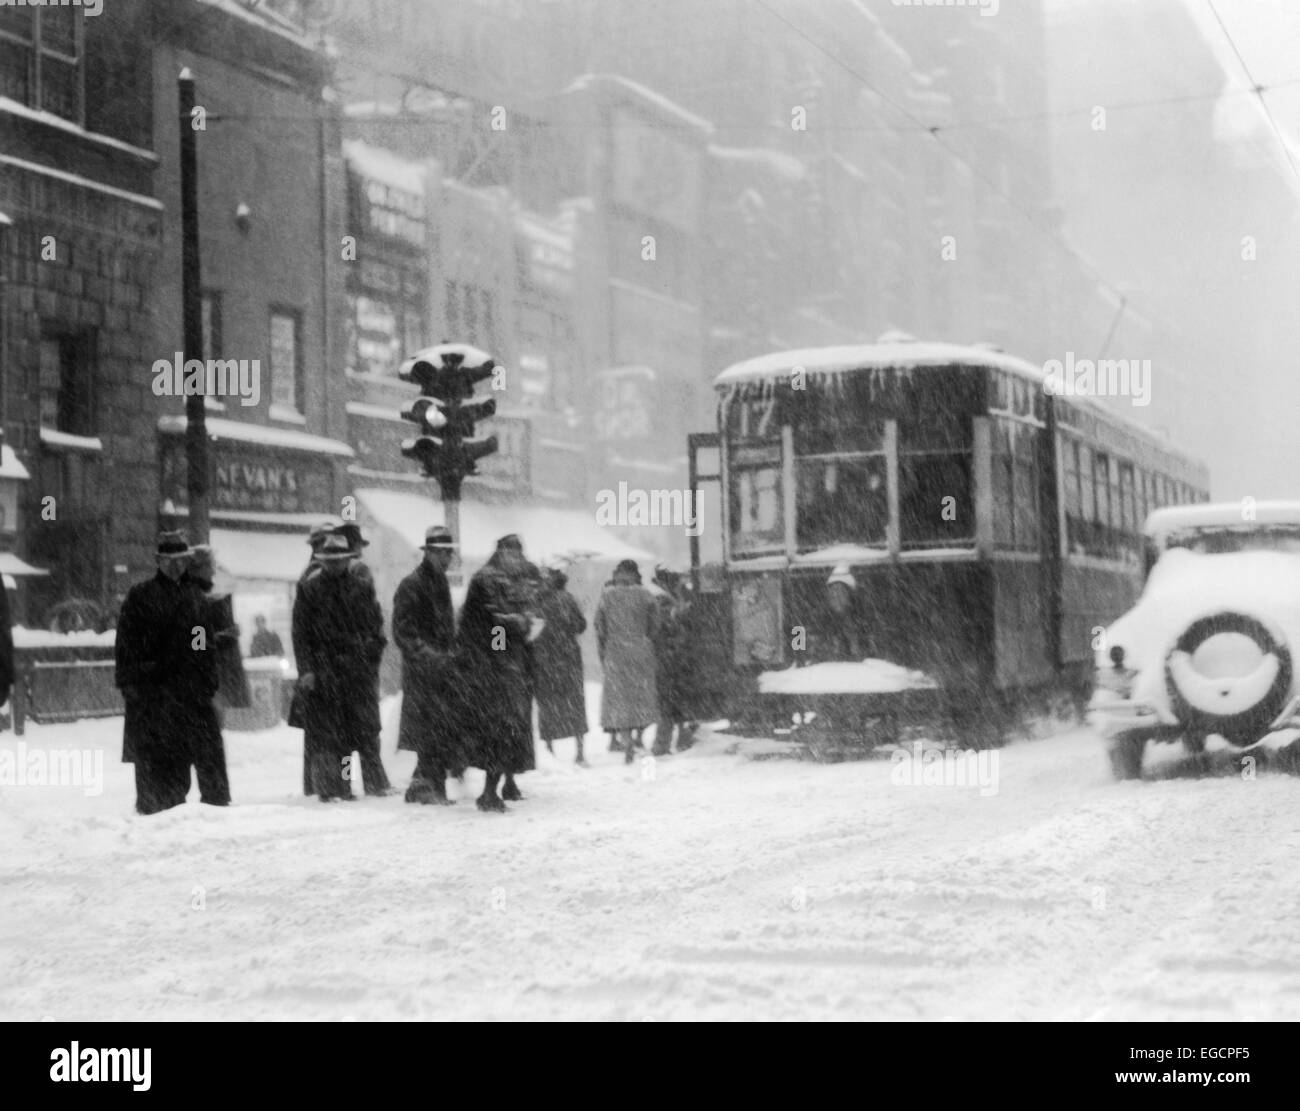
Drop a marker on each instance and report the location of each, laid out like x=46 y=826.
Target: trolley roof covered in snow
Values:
x=897 y=355
x=1244 y=514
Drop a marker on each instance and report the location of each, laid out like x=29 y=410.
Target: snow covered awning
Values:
x=10 y=465
x=547 y=533
x=277 y=556
x=10 y=564
x=286 y=439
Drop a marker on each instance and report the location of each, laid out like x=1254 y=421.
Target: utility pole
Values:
x=196 y=430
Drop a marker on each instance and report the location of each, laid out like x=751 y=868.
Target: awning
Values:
x=547 y=532
x=280 y=556
x=10 y=564
x=10 y=465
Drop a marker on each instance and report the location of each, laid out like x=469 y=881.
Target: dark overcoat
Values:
x=338 y=635
x=496 y=668
x=424 y=628
x=168 y=682
x=557 y=659
x=6 y=647
x=626 y=619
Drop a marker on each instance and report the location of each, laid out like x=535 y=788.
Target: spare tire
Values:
x=1238 y=707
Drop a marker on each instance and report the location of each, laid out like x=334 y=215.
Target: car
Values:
x=1207 y=650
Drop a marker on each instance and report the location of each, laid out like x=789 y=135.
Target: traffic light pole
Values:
x=450 y=487
x=196 y=430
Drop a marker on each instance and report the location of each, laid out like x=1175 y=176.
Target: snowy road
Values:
x=720 y=887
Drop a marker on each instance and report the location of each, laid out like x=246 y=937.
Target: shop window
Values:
x=286 y=360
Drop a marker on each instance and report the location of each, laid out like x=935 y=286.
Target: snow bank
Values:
x=868 y=677
x=43 y=638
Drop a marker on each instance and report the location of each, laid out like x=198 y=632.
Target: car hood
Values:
x=1185 y=586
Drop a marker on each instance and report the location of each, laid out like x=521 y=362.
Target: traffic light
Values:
x=447 y=448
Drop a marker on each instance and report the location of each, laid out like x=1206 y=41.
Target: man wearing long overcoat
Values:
x=424 y=627
x=338 y=638
x=167 y=671
x=495 y=657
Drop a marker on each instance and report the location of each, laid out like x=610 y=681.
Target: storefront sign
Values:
x=655 y=173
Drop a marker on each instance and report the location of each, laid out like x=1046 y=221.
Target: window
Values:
x=470 y=313
x=41 y=58
x=286 y=360
x=757 y=514
x=755 y=499
x=1088 y=499
x=935 y=498
x=1074 y=515
x=67 y=378
x=1129 y=522
x=1101 y=486
x=211 y=308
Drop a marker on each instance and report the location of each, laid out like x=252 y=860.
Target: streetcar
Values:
x=929 y=508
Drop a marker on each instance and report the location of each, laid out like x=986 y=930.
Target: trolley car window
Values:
x=1026 y=490
x=757 y=519
x=1087 y=490
x=841 y=501
x=935 y=498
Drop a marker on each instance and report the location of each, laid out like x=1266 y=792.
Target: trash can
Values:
x=265 y=680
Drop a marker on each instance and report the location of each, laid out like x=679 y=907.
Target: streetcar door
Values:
x=710 y=609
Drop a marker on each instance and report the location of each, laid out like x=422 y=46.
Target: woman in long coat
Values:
x=496 y=670
x=557 y=658
x=625 y=631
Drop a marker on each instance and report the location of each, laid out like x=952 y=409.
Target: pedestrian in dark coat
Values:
x=6 y=649
x=557 y=659
x=424 y=627
x=209 y=749
x=168 y=677
x=338 y=638
x=625 y=632
x=373 y=776
x=495 y=662
x=265 y=642
x=673 y=664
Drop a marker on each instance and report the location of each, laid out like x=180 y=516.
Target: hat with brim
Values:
x=438 y=539
x=334 y=548
x=173 y=544
x=842 y=575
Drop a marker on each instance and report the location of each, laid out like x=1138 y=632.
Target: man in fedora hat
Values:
x=424 y=627
x=373 y=775
x=167 y=671
x=338 y=638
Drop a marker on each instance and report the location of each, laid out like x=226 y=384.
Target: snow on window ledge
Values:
x=286 y=414
x=52 y=437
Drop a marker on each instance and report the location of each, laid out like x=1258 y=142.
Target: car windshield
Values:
x=1245 y=539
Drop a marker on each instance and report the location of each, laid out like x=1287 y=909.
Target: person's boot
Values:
x=580 y=760
x=510 y=792
x=420 y=790
x=549 y=747
x=489 y=803
x=615 y=745
x=628 y=755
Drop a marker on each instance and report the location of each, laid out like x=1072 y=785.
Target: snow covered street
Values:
x=704 y=885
